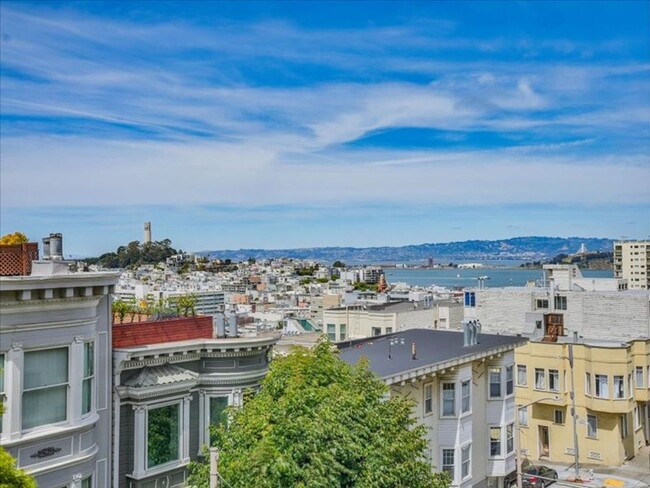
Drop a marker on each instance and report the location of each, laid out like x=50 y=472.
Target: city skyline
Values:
x=285 y=125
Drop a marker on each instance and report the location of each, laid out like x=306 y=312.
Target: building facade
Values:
x=611 y=381
x=632 y=262
x=55 y=356
x=359 y=321
x=463 y=394
x=593 y=308
x=172 y=380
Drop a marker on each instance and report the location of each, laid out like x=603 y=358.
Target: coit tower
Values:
x=147 y=232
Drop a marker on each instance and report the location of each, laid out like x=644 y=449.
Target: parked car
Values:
x=533 y=476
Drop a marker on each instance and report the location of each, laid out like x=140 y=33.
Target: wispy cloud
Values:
x=116 y=110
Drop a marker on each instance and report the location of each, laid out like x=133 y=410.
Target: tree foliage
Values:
x=13 y=239
x=135 y=254
x=10 y=475
x=339 y=264
x=319 y=422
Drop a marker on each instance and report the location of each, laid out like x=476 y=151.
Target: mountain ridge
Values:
x=526 y=248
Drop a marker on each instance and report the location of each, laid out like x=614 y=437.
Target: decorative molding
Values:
x=17 y=346
x=45 y=452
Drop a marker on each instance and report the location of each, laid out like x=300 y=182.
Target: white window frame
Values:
x=619 y=387
x=173 y=462
x=467 y=397
x=625 y=428
x=537 y=385
x=90 y=378
x=449 y=468
x=510 y=383
x=427 y=395
x=498 y=371
x=499 y=444
x=638 y=377
x=510 y=438
x=442 y=399
x=598 y=390
x=141 y=423
x=522 y=375
x=638 y=421
x=466 y=464
x=553 y=380
x=523 y=416
x=331 y=335
x=590 y=427
x=67 y=384
x=588 y=385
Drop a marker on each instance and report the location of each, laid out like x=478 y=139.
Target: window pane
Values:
x=495 y=441
x=87 y=483
x=89 y=359
x=619 y=387
x=592 y=426
x=495 y=382
x=162 y=435
x=86 y=395
x=428 y=399
x=465 y=457
x=448 y=399
x=44 y=368
x=540 y=382
x=521 y=375
x=466 y=395
x=509 y=381
x=510 y=438
x=218 y=406
x=45 y=406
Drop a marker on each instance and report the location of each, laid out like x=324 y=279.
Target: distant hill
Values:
x=517 y=248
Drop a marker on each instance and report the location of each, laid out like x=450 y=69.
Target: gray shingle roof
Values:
x=165 y=374
x=432 y=347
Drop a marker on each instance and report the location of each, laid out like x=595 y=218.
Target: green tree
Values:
x=10 y=475
x=186 y=305
x=319 y=422
x=120 y=309
x=338 y=264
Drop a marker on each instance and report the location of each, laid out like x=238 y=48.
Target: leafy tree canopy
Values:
x=319 y=422
x=135 y=254
x=339 y=264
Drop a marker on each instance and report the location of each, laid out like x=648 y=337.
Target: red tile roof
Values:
x=161 y=331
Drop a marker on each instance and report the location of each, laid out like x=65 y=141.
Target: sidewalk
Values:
x=635 y=473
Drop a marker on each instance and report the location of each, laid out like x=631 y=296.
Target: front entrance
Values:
x=543 y=441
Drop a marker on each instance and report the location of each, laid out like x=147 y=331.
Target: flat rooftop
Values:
x=434 y=349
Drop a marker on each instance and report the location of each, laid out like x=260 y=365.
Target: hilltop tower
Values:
x=147 y=232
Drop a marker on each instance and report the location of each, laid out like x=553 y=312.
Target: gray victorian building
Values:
x=55 y=357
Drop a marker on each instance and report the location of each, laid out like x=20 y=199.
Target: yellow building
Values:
x=611 y=381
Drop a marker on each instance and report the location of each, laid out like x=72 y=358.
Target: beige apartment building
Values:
x=611 y=381
x=632 y=262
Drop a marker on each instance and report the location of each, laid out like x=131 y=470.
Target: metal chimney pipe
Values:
x=46 y=248
x=56 y=247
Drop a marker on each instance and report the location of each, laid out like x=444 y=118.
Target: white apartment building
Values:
x=463 y=394
x=593 y=308
x=632 y=262
x=208 y=302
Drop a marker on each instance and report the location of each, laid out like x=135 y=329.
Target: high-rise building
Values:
x=632 y=262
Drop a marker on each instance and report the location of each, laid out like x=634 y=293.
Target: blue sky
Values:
x=283 y=124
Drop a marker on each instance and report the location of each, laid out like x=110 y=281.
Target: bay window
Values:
x=448 y=462
x=602 y=390
x=163 y=435
x=540 y=379
x=510 y=386
x=448 y=399
x=510 y=438
x=495 y=441
x=495 y=382
x=45 y=383
x=619 y=387
x=89 y=373
x=466 y=399
x=465 y=458
x=639 y=376
x=553 y=380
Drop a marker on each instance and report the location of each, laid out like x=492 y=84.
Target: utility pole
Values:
x=574 y=414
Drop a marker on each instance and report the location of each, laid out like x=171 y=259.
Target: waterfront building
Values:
x=55 y=357
x=611 y=383
x=463 y=393
x=172 y=380
x=632 y=262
